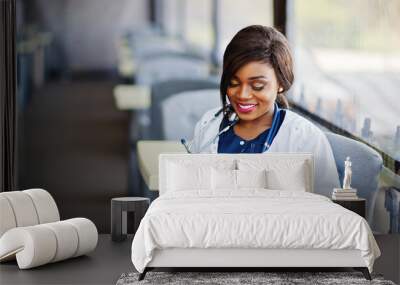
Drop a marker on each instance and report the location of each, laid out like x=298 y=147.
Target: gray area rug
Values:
x=227 y=278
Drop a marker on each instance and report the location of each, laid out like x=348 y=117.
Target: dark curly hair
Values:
x=258 y=43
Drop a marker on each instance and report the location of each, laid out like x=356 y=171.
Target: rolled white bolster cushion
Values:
x=87 y=234
x=7 y=218
x=23 y=208
x=33 y=246
x=45 y=205
x=67 y=240
x=52 y=242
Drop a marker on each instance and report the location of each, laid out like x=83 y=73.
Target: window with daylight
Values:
x=199 y=29
x=235 y=15
x=347 y=57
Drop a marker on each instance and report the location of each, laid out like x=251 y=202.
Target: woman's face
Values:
x=252 y=91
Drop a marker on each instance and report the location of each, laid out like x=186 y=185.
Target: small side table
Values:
x=119 y=208
x=356 y=205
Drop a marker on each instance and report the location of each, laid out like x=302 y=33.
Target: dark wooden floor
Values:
x=110 y=259
x=103 y=266
x=74 y=143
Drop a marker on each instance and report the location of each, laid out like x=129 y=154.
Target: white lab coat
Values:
x=296 y=134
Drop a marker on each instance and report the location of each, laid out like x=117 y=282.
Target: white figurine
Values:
x=347 y=174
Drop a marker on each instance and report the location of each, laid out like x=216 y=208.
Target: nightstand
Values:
x=356 y=205
x=119 y=208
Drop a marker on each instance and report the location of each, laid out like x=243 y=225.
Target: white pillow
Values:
x=223 y=179
x=281 y=173
x=183 y=177
x=251 y=178
x=194 y=173
x=291 y=179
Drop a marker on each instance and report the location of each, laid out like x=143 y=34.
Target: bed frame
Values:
x=242 y=259
x=246 y=258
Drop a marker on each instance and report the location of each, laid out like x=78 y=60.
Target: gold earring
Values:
x=280 y=90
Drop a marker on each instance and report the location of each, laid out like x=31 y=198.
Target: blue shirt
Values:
x=229 y=142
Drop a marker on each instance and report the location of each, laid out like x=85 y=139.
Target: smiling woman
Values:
x=265 y=46
x=252 y=93
x=257 y=72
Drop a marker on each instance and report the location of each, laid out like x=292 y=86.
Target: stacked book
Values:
x=344 y=194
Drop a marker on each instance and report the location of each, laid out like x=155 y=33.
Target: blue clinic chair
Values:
x=181 y=112
x=146 y=46
x=366 y=166
x=166 y=67
x=392 y=205
x=161 y=91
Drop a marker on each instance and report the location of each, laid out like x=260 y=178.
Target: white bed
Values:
x=202 y=219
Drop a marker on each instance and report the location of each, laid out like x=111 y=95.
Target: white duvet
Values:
x=252 y=218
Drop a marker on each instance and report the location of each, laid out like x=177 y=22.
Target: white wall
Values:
x=86 y=30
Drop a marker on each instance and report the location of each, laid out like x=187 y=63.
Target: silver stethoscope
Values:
x=233 y=119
